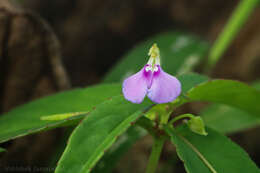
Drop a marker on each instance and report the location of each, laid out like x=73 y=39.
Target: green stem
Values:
x=238 y=18
x=155 y=155
x=180 y=117
x=159 y=139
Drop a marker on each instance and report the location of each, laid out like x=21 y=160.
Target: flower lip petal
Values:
x=135 y=87
x=165 y=88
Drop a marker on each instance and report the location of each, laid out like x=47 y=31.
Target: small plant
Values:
x=111 y=116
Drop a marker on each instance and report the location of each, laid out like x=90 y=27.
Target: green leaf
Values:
x=232 y=93
x=97 y=133
x=213 y=153
x=2 y=150
x=26 y=119
x=227 y=119
x=197 y=125
x=191 y=80
x=179 y=54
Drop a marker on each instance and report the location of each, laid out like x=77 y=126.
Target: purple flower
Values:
x=152 y=81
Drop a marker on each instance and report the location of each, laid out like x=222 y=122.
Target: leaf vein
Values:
x=205 y=161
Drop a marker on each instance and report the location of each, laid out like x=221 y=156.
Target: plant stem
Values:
x=236 y=21
x=180 y=117
x=159 y=139
x=155 y=155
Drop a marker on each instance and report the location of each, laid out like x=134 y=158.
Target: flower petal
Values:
x=135 y=87
x=165 y=88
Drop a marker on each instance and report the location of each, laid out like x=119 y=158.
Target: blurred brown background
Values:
x=52 y=45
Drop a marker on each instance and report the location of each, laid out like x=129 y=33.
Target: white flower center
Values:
x=150 y=68
x=155 y=69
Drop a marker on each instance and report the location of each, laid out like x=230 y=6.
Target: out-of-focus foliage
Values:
x=179 y=54
x=2 y=150
x=227 y=119
x=190 y=81
x=235 y=23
